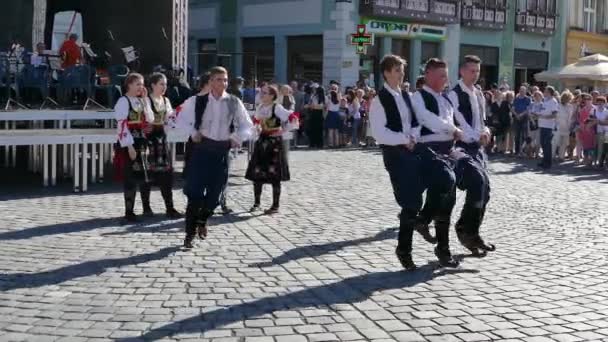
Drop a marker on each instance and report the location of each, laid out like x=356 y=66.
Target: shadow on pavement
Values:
x=311 y=251
x=89 y=268
x=558 y=169
x=347 y=291
x=60 y=228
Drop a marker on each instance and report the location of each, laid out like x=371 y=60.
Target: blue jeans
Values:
x=546 y=136
x=355 y=133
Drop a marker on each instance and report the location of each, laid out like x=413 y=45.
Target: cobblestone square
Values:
x=323 y=269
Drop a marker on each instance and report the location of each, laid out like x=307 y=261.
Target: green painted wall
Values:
x=508 y=40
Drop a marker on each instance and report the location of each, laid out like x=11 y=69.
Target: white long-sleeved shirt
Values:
x=471 y=133
x=564 y=118
x=550 y=106
x=121 y=113
x=441 y=125
x=216 y=119
x=377 y=121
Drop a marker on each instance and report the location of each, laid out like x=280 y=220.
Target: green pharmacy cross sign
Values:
x=361 y=39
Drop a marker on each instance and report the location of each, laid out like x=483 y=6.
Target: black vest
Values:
x=464 y=105
x=432 y=106
x=199 y=109
x=393 y=117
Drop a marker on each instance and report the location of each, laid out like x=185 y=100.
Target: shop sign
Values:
x=404 y=30
x=361 y=39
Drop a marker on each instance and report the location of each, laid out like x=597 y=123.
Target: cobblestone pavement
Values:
x=323 y=269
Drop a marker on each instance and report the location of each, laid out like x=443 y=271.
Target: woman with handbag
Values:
x=268 y=164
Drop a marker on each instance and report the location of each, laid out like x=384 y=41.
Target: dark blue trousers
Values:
x=472 y=177
x=439 y=181
x=207 y=174
x=403 y=167
x=546 y=136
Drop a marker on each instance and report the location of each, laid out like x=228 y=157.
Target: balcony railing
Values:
x=535 y=22
x=482 y=16
x=537 y=19
x=431 y=11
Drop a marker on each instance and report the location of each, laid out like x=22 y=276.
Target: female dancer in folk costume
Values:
x=160 y=168
x=133 y=114
x=268 y=164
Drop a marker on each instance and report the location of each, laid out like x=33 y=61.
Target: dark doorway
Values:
x=305 y=58
x=263 y=48
x=529 y=63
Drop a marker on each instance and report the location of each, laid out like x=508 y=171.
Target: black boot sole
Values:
x=487 y=247
x=475 y=252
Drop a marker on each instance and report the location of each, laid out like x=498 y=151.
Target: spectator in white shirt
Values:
x=546 y=124
x=561 y=140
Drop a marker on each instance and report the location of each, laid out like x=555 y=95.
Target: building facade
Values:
x=311 y=39
x=515 y=39
x=278 y=40
x=587 y=29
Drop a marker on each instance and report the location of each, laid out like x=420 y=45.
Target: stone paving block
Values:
x=407 y=336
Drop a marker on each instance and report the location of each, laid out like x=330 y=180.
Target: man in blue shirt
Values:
x=520 y=117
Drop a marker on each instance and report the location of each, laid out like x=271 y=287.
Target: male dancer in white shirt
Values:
x=435 y=114
x=470 y=170
x=215 y=122
x=393 y=123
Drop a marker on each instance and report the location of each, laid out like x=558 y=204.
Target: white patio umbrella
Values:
x=590 y=68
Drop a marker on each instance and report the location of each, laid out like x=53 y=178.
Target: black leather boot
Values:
x=442 y=251
x=276 y=198
x=167 y=194
x=406 y=260
x=445 y=258
x=201 y=222
x=407 y=221
x=191 y=217
x=144 y=192
x=130 y=216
